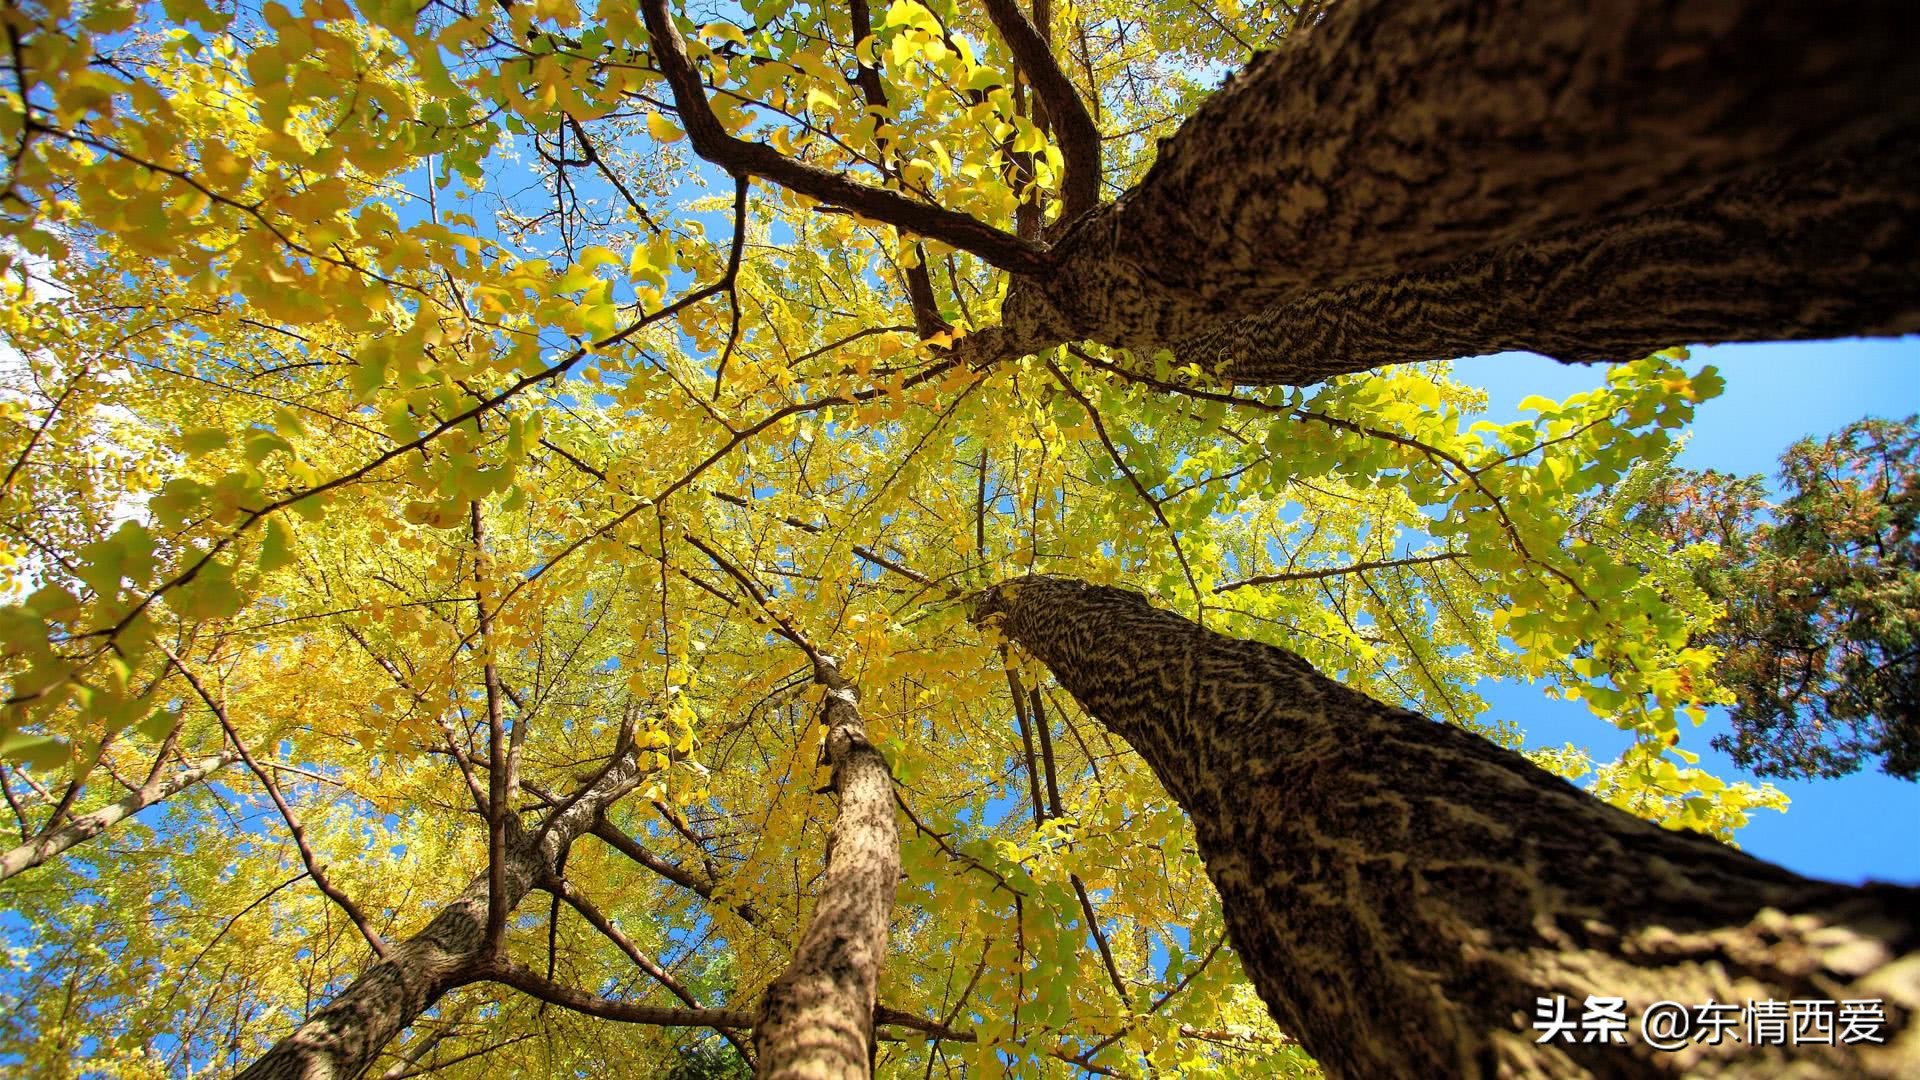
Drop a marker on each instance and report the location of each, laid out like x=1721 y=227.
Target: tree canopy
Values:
x=453 y=450
x=1819 y=638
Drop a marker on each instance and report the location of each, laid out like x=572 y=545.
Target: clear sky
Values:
x=1856 y=828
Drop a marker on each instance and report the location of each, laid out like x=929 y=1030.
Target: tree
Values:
x=528 y=506
x=1819 y=636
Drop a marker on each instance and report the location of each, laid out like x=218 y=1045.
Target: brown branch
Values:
x=219 y=934
x=609 y=834
x=1336 y=571
x=926 y=308
x=87 y=826
x=1100 y=939
x=600 y=922
x=1046 y=750
x=943 y=1032
x=1079 y=138
x=19 y=811
x=1161 y=1001
x=315 y=869
x=940 y=840
x=593 y=157
x=1026 y=741
x=508 y=973
x=498 y=793
x=732 y=278
x=1113 y=452
x=694 y=840
x=711 y=141
x=862 y=550
x=53 y=413
x=483 y=1051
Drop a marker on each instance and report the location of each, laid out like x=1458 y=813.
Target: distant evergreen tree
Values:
x=1821 y=638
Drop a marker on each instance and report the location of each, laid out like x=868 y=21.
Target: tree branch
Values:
x=87 y=826
x=1816 y=250
x=508 y=973
x=1463 y=126
x=1079 y=138
x=609 y=834
x=926 y=308
x=641 y=960
x=711 y=141
x=1336 y=571
x=315 y=870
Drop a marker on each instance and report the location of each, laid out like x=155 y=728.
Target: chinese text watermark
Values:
x=1670 y=1025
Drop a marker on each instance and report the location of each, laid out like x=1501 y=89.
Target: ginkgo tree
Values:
x=563 y=539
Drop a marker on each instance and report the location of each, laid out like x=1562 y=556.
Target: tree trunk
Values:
x=340 y=1040
x=1398 y=137
x=1819 y=250
x=1401 y=891
x=87 y=826
x=816 y=1019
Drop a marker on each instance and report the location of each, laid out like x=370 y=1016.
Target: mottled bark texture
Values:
x=340 y=1040
x=1823 y=249
x=89 y=825
x=1427 y=178
x=816 y=1019
x=1401 y=891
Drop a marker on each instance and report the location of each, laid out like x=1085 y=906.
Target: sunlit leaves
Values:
x=297 y=302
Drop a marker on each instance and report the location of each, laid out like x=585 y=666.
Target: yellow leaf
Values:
x=663 y=129
x=821 y=100
x=724 y=31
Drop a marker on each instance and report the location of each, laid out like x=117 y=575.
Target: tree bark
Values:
x=340 y=1040
x=1401 y=891
x=1492 y=173
x=87 y=826
x=816 y=1019
x=1399 y=137
x=1823 y=249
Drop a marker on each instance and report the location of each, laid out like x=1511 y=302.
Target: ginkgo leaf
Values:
x=662 y=129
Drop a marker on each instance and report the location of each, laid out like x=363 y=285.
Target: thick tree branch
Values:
x=1079 y=138
x=89 y=825
x=342 y=1037
x=816 y=1018
x=711 y=141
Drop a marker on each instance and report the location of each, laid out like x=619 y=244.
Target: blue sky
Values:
x=1865 y=826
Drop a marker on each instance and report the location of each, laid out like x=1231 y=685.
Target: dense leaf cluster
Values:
x=1820 y=641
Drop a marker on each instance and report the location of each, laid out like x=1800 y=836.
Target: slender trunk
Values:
x=1401 y=891
x=1823 y=249
x=816 y=1020
x=340 y=1040
x=87 y=826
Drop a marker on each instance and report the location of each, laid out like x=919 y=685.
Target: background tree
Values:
x=1821 y=637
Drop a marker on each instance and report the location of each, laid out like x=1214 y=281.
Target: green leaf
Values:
x=40 y=752
x=157 y=725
